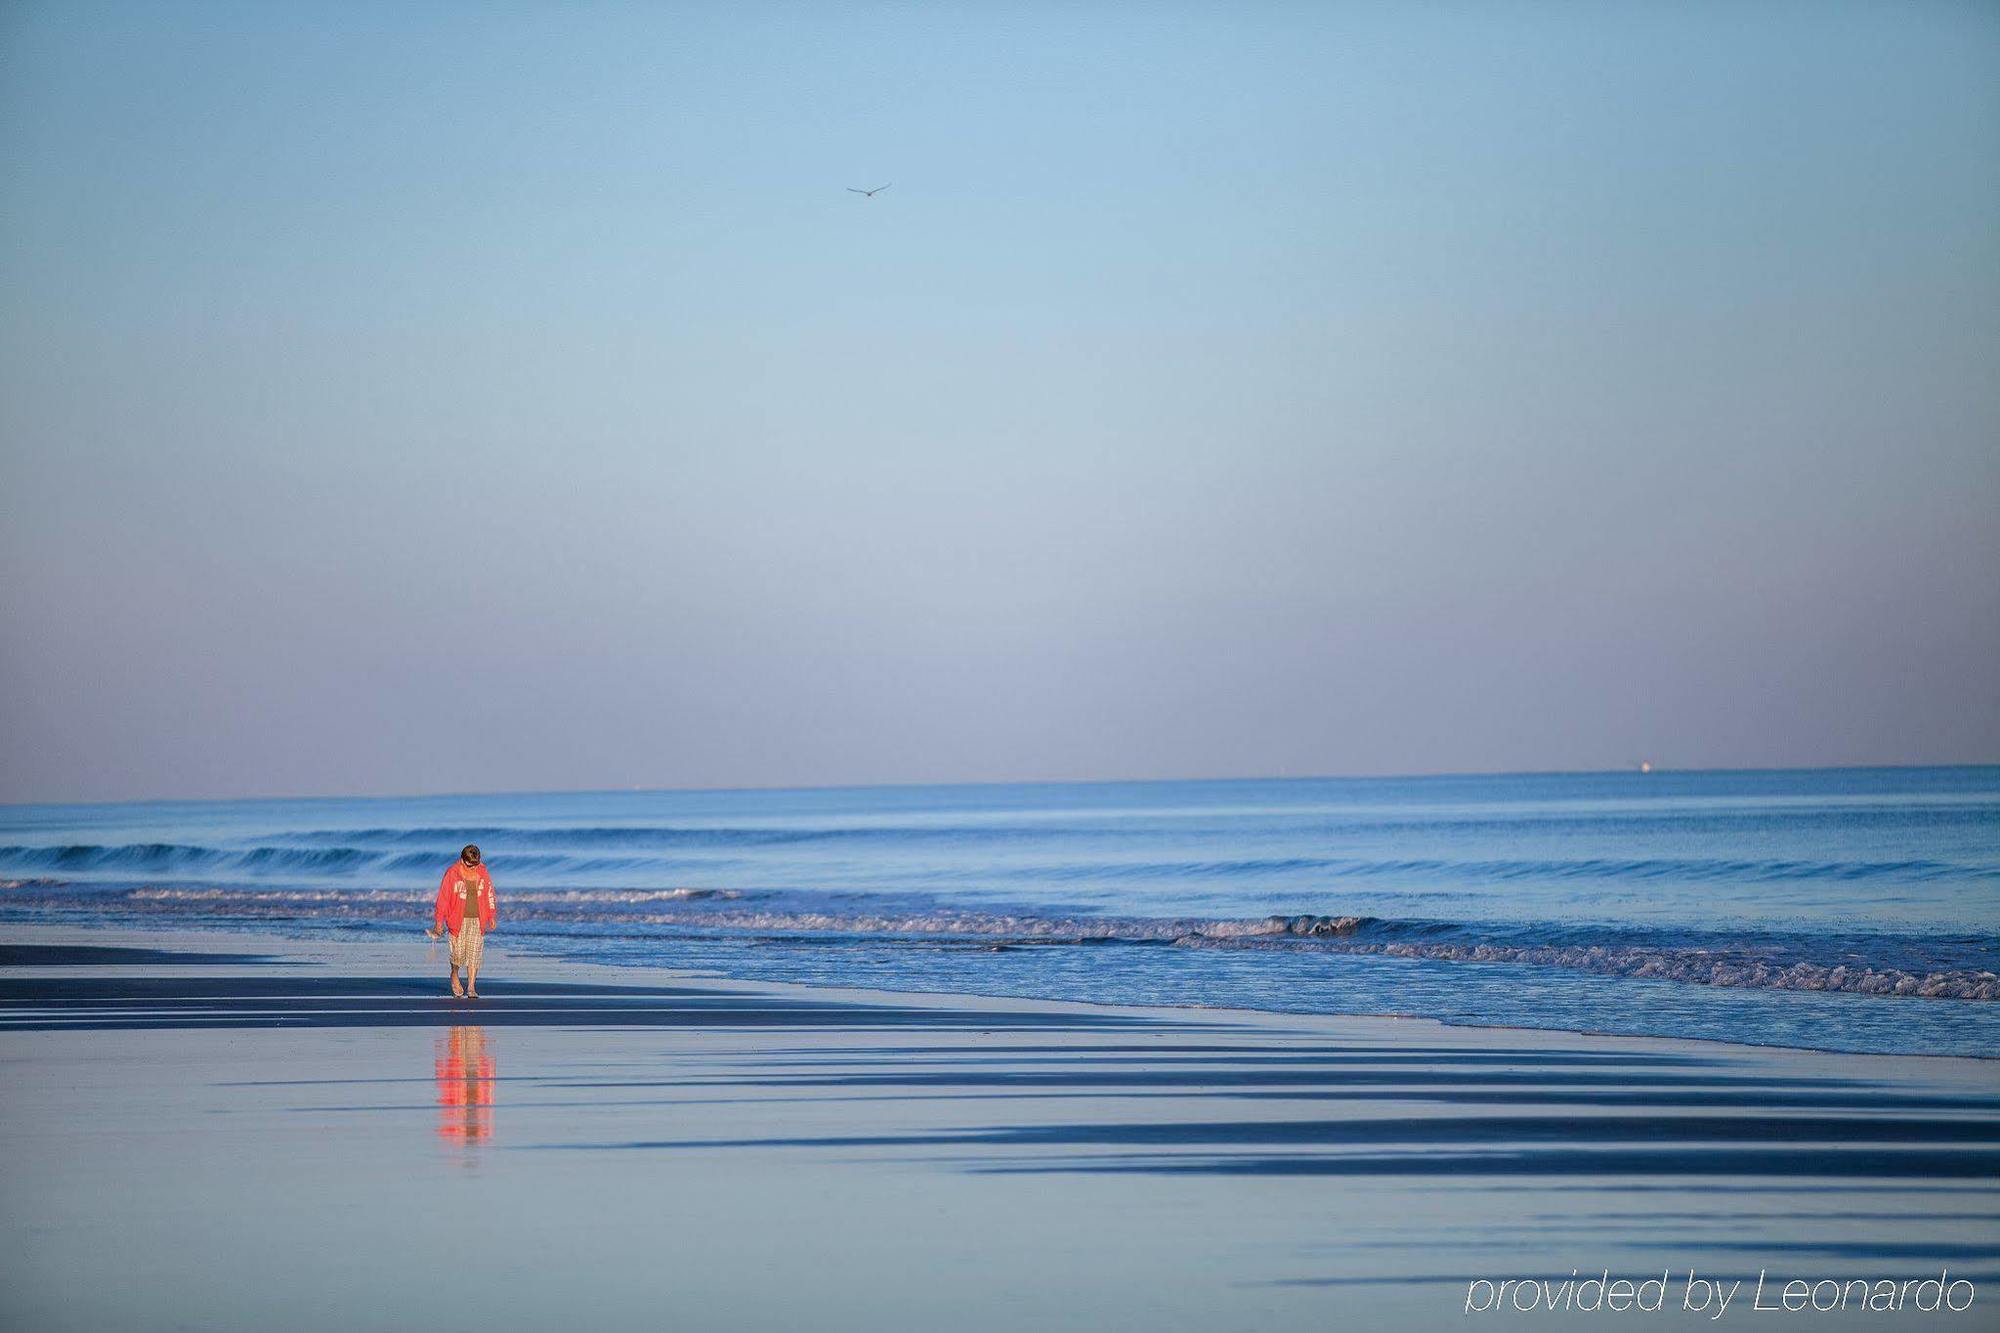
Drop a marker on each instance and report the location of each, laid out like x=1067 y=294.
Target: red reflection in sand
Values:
x=464 y=1086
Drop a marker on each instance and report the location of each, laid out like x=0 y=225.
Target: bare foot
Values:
x=472 y=995
x=458 y=991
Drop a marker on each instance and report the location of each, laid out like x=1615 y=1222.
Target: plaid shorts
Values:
x=469 y=945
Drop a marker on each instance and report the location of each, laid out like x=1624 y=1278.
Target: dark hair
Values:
x=470 y=850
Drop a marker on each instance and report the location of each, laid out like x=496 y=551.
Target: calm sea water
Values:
x=1848 y=909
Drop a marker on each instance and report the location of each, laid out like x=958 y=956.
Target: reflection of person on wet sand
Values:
x=464 y=1085
x=465 y=907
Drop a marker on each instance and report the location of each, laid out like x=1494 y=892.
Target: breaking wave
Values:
x=1960 y=968
x=552 y=854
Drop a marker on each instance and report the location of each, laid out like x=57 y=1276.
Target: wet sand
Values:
x=234 y=1132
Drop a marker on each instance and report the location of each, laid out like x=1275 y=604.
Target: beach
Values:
x=247 y=1131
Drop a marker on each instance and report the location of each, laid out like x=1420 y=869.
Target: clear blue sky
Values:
x=419 y=396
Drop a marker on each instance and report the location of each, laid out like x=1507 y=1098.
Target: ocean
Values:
x=1852 y=910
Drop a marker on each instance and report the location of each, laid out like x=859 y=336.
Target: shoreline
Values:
x=283 y=951
x=375 y=937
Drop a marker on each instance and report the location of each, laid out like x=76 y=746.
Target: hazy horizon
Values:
x=779 y=788
x=496 y=397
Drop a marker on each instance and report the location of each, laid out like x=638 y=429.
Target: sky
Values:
x=412 y=397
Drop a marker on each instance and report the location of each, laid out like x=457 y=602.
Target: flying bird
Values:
x=870 y=193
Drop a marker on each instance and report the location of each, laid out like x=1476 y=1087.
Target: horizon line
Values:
x=1633 y=770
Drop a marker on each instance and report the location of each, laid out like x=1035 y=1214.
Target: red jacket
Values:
x=458 y=880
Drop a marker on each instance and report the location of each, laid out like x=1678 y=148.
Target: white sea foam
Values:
x=699 y=910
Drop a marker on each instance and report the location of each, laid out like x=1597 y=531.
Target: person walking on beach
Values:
x=466 y=908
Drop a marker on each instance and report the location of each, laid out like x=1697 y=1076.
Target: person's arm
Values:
x=489 y=905
x=437 y=912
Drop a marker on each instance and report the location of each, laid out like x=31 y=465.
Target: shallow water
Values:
x=1845 y=909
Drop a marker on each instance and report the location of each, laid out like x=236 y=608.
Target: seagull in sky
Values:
x=870 y=193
